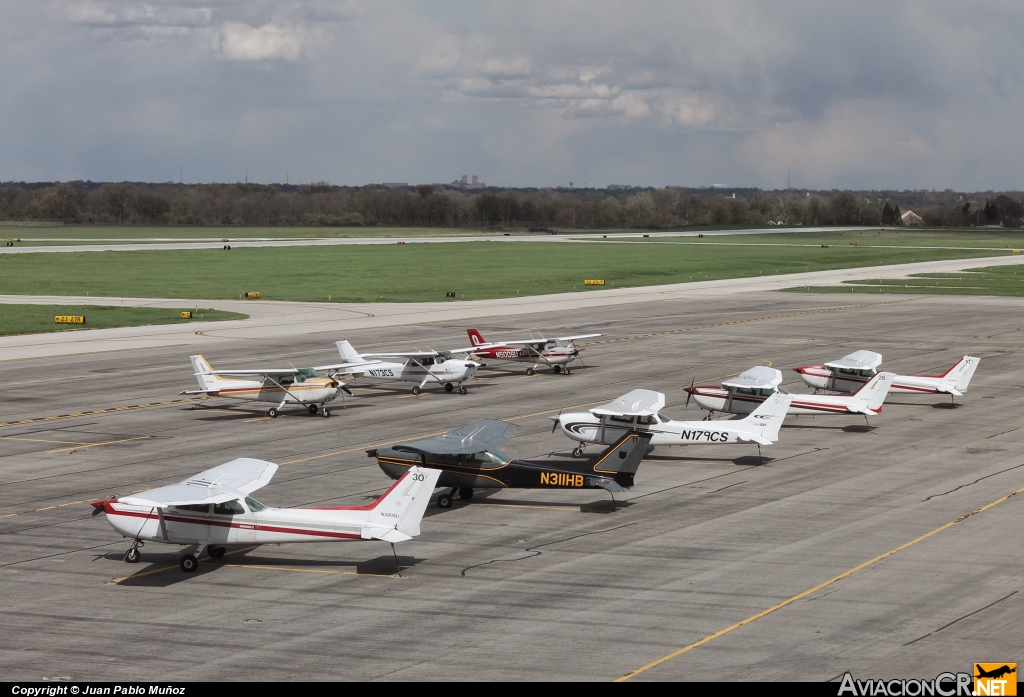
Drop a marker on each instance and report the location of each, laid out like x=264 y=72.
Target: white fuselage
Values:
x=745 y=401
x=823 y=378
x=185 y=525
x=587 y=428
x=311 y=391
x=452 y=370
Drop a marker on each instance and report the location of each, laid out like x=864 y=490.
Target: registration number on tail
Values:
x=560 y=479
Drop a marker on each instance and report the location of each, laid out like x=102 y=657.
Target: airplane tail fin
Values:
x=401 y=508
x=348 y=354
x=203 y=372
x=625 y=455
x=475 y=338
x=765 y=421
x=869 y=398
x=959 y=376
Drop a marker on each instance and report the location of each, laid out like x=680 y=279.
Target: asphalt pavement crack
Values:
x=1008 y=469
x=969 y=614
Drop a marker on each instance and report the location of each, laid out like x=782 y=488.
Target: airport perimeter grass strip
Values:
x=988 y=238
x=989 y=280
x=809 y=591
x=422 y=272
x=37 y=319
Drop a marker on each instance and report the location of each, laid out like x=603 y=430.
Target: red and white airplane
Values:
x=213 y=509
x=744 y=394
x=852 y=371
x=554 y=353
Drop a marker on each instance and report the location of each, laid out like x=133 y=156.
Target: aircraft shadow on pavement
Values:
x=480 y=498
x=168 y=573
x=934 y=405
x=219 y=415
x=850 y=428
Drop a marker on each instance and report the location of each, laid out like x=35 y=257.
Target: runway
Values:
x=272 y=319
x=540 y=585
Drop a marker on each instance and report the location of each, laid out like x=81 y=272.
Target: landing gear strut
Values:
x=133 y=556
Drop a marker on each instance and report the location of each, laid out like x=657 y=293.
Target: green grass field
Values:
x=988 y=238
x=989 y=280
x=35 y=319
x=419 y=272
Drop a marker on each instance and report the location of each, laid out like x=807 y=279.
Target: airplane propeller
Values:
x=346 y=390
x=690 y=393
x=555 y=425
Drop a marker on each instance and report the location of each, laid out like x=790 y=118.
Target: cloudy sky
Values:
x=841 y=94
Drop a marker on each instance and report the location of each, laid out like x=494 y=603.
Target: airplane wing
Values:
x=345 y=368
x=408 y=354
x=758 y=376
x=277 y=372
x=482 y=435
x=579 y=336
x=227 y=482
x=634 y=403
x=858 y=360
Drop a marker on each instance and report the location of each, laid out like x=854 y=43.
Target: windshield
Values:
x=489 y=458
x=307 y=373
x=254 y=505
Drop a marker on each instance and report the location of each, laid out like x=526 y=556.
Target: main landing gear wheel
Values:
x=448 y=387
x=216 y=552
x=529 y=371
x=272 y=412
x=416 y=390
x=325 y=412
x=189 y=563
x=132 y=556
x=577 y=452
x=312 y=409
x=462 y=389
x=444 y=500
x=466 y=493
x=556 y=368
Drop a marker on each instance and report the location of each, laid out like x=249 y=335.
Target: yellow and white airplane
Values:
x=279 y=387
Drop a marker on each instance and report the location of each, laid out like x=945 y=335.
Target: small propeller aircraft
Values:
x=554 y=353
x=744 y=394
x=278 y=386
x=469 y=460
x=418 y=366
x=852 y=371
x=639 y=410
x=181 y=513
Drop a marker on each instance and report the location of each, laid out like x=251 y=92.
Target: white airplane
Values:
x=639 y=411
x=555 y=353
x=278 y=386
x=850 y=372
x=744 y=394
x=181 y=513
x=418 y=366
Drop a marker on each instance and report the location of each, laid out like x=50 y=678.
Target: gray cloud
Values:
x=908 y=95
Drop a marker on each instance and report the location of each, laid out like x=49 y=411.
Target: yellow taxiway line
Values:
x=94 y=412
x=95 y=445
x=809 y=591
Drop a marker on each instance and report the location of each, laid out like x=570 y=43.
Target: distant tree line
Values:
x=322 y=204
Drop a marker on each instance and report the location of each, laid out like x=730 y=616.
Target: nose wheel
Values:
x=462 y=389
x=133 y=556
x=578 y=452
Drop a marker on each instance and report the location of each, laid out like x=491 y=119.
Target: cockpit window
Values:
x=746 y=390
x=646 y=420
x=489 y=458
x=767 y=392
x=228 y=508
x=254 y=505
x=195 y=508
x=621 y=419
x=306 y=374
x=439 y=360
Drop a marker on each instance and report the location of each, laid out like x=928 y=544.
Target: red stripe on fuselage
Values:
x=231 y=524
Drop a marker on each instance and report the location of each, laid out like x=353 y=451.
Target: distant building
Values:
x=394 y=185
x=464 y=183
x=619 y=187
x=911 y=218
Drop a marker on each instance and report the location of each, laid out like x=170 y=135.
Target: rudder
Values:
x=475 y=338
x=203 y=372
